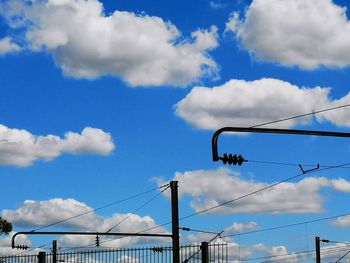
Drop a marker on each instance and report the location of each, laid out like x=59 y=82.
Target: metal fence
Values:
x=19 y=259
x=213 y=253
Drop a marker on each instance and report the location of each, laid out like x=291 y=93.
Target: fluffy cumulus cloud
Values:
x=343 y=221
x=34 y=214
x=142 y=50
x=333 y=252
x=21 y=148
x=8 y=46
x=235 y=251
x=239 y=227
x=211 y=188
x=248 y=103
x=307 y=34
x=40 y=213
x=280 y=254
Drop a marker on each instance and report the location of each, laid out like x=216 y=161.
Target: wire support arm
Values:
x=269 y=130
x=86 y=234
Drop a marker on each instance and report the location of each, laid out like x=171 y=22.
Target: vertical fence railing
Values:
x=19 y=259
x=217 y=253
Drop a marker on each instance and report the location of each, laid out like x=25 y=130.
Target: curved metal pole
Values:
x=268 y=130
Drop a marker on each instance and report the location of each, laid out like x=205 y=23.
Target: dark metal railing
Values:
x=216 y=253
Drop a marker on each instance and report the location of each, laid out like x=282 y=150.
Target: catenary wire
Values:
x=301 y=115
x=247 y=195
x=166 y=186
x=239 y=198
x=136 y=210
x=260 y=190
x=291 y=164
x=330 y=249
x=288 y=225
x=98 y=208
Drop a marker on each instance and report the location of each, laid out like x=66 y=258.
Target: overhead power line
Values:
x=301 y=115
x=288 y=225
x=250 y=194
x=166 y=186
x=99 y=208
x=290 y=164
x=259 y=190
x=283 y=256
x=139 y=208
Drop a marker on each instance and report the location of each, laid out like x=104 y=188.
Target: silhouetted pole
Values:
x=318 y=250
x=54 y=251
x=42 y=257
x=175 y=221
x=205 y=252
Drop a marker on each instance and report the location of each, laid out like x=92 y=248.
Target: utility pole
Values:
x=175 y=221
x=318 y=250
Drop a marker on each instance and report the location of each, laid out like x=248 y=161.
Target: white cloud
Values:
x=239 y=227
x=280 y=254
x=343 y=221
x=247 y=103
x=7 y=46
x=307 y=34
x=34 y=214
x=40 y=213
x=21 y=148
x=341 y=185
x=210 y=188
x=142 y=50
x=333 y=252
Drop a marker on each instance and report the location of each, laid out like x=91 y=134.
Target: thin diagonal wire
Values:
x=301 y=115
x=98 y=208
x=289 y=225
x=139 y=232
x=260 y=190
x=138 y=209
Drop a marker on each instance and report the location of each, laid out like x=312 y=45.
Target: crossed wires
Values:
x=163 y=187
x=99 y=208
x=250 y=194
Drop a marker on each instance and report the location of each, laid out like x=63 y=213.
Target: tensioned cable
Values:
x=99 y=208
x=285 y=255
x=166 y=186
x=139 y=208
x=259 y=190
x=290 y=164
x=301 y=115
x=288 y=225
x=239 y=198
x=247 y=195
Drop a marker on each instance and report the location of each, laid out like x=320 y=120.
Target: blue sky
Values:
x=103 y=100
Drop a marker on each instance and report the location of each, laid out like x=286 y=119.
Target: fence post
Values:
x=205 y=252
x=318 y=250
x=175 y=221
x=42 y=257
x=54 y=251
